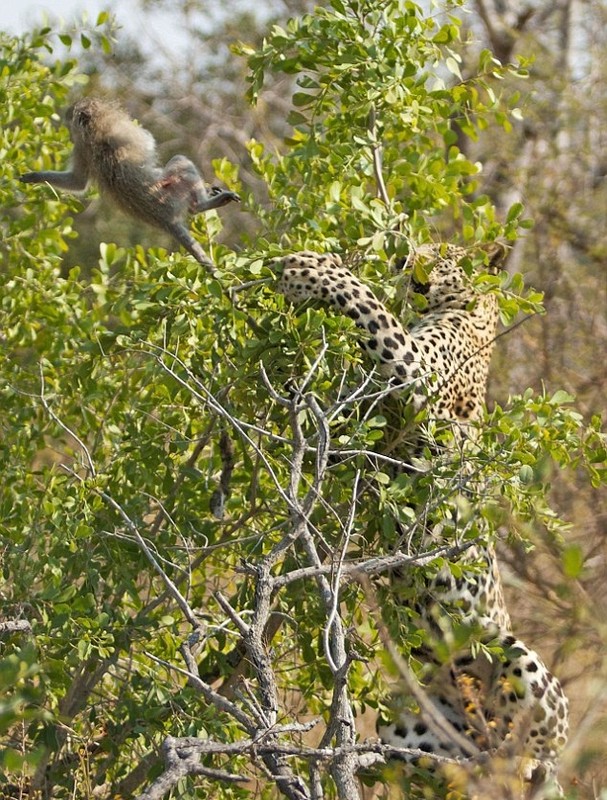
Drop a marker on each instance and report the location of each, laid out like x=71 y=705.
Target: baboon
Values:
x=111 y=150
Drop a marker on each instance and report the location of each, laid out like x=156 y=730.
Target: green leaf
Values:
x=573 y=561
x=453 y=67
x=561 y=398
x=302 y=99
x=514 y=212
x=526 y=474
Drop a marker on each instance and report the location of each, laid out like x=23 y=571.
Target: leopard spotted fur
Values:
x=443 y=362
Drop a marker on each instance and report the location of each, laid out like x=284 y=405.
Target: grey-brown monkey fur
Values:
x=111 y=150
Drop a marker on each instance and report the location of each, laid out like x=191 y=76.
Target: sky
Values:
x=153 y=26
x=18 y=17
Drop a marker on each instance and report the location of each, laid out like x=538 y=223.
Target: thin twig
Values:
x=431 y=714
x=377 y=157
x=53 y=416
x=209 y=694
x=233 y=615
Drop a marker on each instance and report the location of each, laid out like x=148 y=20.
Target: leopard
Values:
x=497 y=695
x=444 y=358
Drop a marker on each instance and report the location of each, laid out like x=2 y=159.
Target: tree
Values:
x=195 y=473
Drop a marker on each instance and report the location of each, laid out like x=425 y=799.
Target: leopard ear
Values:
x=497 y=252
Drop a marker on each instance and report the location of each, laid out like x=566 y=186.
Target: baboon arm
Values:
x=71 y=180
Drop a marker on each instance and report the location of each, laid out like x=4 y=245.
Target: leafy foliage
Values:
x=372 y=83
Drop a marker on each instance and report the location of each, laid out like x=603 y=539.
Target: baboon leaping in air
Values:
x=111 y=150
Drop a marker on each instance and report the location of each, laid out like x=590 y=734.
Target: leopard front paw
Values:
x=307 y=275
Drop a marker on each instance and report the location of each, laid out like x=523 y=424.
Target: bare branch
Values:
x=374 y=566
x=341 y=722
x=338 y=573
x=182 y=757
x=15 y=626
x=178 y=766
x=260 y=744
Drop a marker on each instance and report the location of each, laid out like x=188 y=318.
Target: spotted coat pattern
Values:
x=443 y=361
